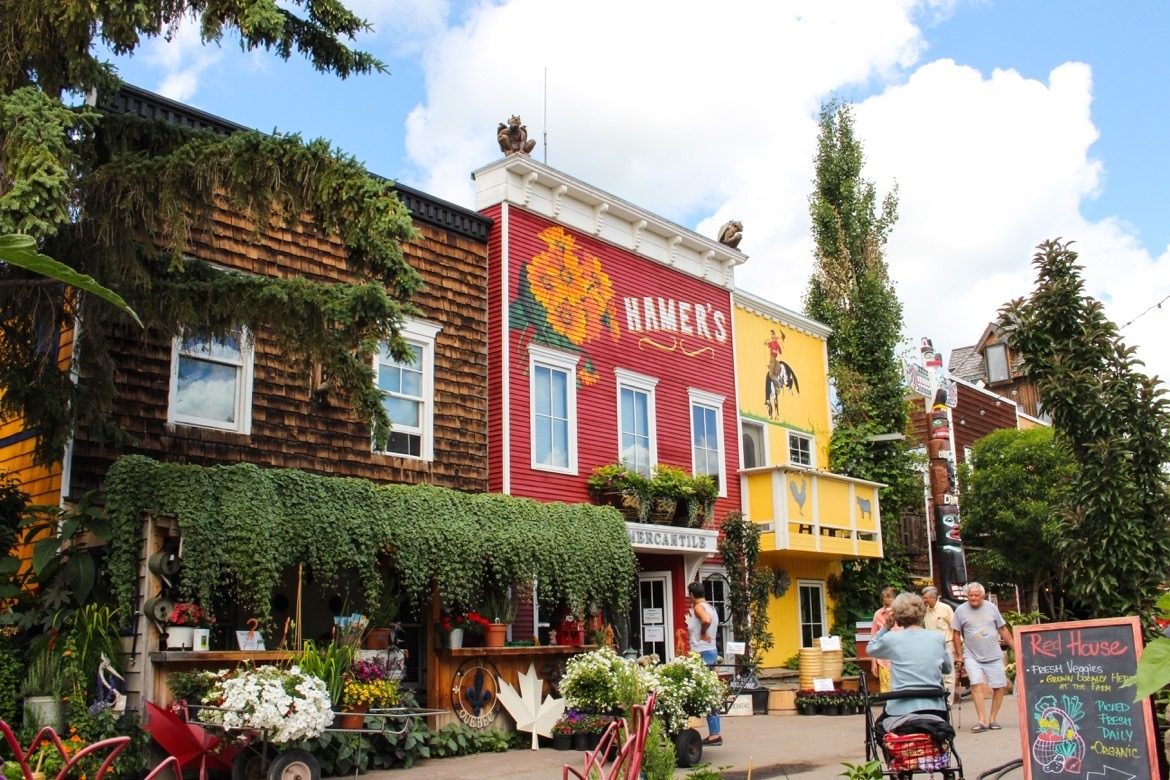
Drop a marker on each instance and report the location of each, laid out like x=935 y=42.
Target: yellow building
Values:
x=811 y=519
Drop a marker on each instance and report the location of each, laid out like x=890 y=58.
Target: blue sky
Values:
x=1002 y=123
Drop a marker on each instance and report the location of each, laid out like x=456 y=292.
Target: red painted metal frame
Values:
x=627 y=765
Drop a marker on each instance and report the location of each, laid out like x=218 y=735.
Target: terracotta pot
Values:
x=377 y=639
x=354 y=718
x=495 y=635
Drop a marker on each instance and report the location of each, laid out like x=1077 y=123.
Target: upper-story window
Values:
x=408 y=392
x=554 y=409
x=637 y=443
x=998 y=370
x=800 y=450
x=707 y=437
x=211 y=382
x=751 y=439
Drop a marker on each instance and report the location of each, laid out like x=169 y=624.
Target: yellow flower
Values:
x=586 y=376
x=573 y=288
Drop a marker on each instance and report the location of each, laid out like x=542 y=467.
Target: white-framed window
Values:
x=753 y=441
x=553 y=390
x=408 y=391
x=637 y=442
x=998 y=370
x=211 y=382
x=717 y=590
x=800 y=450
x=707 y=437
x=813 y=618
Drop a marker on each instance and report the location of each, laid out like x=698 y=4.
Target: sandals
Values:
x=995 y=726
x=979 y=727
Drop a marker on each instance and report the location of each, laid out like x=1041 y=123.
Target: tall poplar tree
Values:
x=117 y=197
x=851 y=292
x=1115 y=421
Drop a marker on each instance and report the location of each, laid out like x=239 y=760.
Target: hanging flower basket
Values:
x=662 y=510
x=625 y=501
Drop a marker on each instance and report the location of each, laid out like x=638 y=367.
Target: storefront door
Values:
x=655 y=614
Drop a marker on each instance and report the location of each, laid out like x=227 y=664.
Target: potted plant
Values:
x=287 y=704
x=189 y=627
x=191 y=687
x=623 y=488
x=185 y=617
x=366 y=688
x=459 y=625
x=806 y=701
x=668 y=488
x=44 y=686
x=701 y=502
x=384 y=625
x=562 y=733
x=499 y=609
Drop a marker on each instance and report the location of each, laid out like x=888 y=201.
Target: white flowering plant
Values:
x=687 y=688
x=286 y=703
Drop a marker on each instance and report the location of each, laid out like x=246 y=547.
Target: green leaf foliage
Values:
x=749 y=583
x=1013 y=491
x=124 y=201
x=1114 y=421
x=242 y=526
x=850 y=291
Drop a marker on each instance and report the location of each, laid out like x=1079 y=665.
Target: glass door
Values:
x=653 y=615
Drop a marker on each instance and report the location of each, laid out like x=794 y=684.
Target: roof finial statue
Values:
x=731 y=233
x=513 y=137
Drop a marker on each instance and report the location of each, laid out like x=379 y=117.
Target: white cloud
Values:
x=705 y=112
x=183 y=58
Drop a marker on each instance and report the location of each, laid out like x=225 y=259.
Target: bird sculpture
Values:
x=105 y=672
x=800 y=495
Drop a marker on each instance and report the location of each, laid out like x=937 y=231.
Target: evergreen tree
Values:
x=850 y=291
x=1115 y=421
x=116 y=198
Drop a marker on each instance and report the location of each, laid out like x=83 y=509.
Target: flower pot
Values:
x=760 y=702
x=580 y=741
x=355 y=718
x=593 y=741
x=662 y=510
x=180 y=637
x=455 y=638
x=377 y=639
x=41 y=711
x=201 y=640
x=562 y=741
x=624 y=501
x=495 y=635
x=830 y=709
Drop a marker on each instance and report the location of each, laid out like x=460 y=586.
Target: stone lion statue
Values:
x=513 y=137
x=731 y=233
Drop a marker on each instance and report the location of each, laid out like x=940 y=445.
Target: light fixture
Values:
x=981 y=412
x=963 y=422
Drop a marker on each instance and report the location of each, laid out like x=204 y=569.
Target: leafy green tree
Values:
x=117 y=199
x=1017 y=483
x=850 y=290
x=1114 y=420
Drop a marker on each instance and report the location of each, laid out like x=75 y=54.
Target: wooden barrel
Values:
x=832 y=662
x=811 y=666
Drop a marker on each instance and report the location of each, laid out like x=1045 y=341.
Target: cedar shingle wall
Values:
x=290 y=427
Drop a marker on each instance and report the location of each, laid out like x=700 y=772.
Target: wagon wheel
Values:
x=249 y=764
x=688 y=748
x=295 y=765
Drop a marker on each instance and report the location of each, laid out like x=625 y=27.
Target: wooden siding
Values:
x=497 y=292
x=784 y=612
x=291 y=427
x=977 y=414
x=709 y=367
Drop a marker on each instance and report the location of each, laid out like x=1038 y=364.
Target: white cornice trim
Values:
x=777 y=313
x=529 y=184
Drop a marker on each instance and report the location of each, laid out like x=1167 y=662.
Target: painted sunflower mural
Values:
x=565 y=300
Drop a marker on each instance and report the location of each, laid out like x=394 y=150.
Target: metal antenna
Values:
x=545 y=132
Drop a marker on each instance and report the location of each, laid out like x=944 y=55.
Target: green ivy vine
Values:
x=242 y=525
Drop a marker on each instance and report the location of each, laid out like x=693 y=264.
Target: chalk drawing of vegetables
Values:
x=1058 y=746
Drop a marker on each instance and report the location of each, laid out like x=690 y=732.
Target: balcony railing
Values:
x=810 y=511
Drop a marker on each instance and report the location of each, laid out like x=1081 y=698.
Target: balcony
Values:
x=813 y=512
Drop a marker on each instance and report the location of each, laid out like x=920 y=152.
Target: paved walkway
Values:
x=797 y=747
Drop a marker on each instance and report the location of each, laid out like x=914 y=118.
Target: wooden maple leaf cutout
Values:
x=531 y=709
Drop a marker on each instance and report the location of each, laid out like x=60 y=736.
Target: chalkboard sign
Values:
x=1076 y=720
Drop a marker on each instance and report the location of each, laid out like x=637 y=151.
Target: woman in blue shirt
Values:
x=918 y=658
